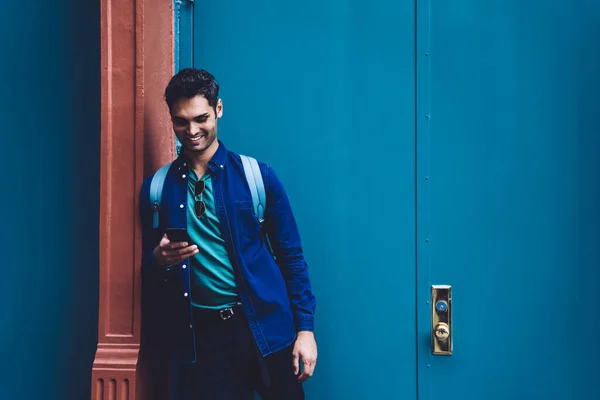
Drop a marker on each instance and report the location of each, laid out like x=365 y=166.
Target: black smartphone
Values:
x=178 y=235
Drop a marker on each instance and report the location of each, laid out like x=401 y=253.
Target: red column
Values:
x=137 y=62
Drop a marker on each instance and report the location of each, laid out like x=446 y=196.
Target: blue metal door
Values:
x=508 y=179
x=427 y=143
x=324 y=92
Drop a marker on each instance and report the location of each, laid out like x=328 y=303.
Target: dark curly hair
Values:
x=190 y=82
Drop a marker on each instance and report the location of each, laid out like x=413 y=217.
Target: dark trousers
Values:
x=229 y=367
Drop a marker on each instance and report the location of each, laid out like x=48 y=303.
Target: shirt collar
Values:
x=216 y=162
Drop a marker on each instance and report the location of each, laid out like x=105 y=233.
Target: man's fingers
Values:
x=176 y=256
x=164 y=241
x=307 y=370
x=185 y=249
x=177 y=245
x=295 y=362
x=187 y=252
x=176 y=252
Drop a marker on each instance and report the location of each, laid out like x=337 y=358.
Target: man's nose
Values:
x=193 y=128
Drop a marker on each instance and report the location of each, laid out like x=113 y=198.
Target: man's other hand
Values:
x=169 y=253
x=305 y=350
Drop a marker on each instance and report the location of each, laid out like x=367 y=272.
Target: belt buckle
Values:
x=226 y=313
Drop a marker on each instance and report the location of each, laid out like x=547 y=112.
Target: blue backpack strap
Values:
x=156 y=188
x=256 y=184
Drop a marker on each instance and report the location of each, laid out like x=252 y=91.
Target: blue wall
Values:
x=49 y=155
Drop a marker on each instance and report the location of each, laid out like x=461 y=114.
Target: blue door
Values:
x=508 y=193
x=422 y=144
x=324 y=92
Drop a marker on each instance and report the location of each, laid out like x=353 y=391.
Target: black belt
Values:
x=207 y=315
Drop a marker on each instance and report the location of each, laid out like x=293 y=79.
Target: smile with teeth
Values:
x=196 y=138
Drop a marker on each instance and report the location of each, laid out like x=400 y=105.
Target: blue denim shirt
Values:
x=275 y=292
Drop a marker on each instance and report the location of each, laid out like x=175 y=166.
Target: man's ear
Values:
x=219 y=108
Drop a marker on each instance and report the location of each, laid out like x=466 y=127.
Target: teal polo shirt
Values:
x=212 y=281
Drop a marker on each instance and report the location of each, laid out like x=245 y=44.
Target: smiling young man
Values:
x=239 y=316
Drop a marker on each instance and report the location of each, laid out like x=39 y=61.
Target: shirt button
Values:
x=184 y=266
x=183 y=176
x=185 y=294
x=181 y=206
x=220 y=166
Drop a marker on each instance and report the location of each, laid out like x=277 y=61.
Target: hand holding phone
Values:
x=174 y=247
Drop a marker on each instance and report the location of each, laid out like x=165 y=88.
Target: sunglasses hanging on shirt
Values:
x=199 y=205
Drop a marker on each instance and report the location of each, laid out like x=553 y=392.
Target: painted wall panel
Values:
x=49 y=156
x=324 y=92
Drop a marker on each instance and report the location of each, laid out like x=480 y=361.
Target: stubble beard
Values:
x=210 y=138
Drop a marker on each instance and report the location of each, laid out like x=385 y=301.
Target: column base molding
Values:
x=115 y=371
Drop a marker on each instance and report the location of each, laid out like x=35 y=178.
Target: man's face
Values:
x=195 y=123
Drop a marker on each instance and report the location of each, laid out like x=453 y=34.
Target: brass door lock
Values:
x=442 y=332
x=441 y=320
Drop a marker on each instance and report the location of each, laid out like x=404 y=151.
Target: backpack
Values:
x=253 y=177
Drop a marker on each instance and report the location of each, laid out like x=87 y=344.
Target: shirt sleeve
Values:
x=283 y=234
